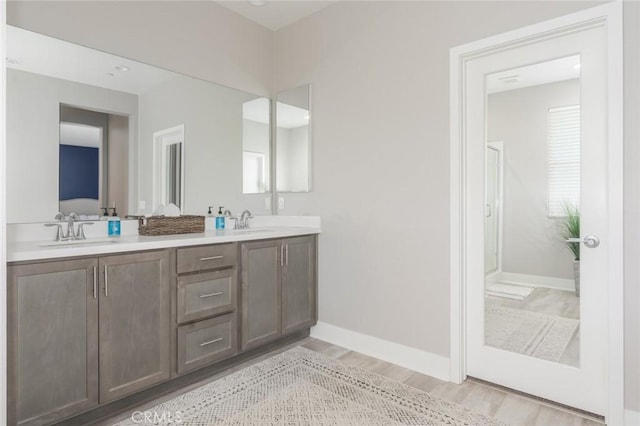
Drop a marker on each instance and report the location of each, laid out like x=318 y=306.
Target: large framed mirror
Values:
x=57 y=91
x=293 y=140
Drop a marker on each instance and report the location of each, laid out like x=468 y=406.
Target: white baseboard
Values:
x=414 y=359
x=631 y=418
x=533 y=281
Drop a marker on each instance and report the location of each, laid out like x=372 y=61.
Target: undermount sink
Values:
x=75 y=243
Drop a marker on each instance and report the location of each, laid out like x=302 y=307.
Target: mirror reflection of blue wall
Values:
x=79 y=177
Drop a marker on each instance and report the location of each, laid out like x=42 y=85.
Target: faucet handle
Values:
x=74 y=216
x=59 y=216
x=80 y=234
x=59 y=233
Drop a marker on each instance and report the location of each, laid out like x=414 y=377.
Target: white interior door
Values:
x=583 y=384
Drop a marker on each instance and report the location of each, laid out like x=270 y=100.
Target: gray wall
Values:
x=33 y=122
x=531 y=240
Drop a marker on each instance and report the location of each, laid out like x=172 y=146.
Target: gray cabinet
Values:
x=299 y=284
x=261 y=293
x=135 y=314
x=279 y=285
x=52 y=340
x=206 y=304
x=85 y=332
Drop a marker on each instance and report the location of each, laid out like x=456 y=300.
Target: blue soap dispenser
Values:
x=113 y=225
x=220 y=219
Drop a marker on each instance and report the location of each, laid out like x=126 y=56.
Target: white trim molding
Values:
x=611 y=15
x=414 y=359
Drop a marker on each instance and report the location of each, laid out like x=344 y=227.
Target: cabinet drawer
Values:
x=201 y=258
x=206 y=294
x=205 y=342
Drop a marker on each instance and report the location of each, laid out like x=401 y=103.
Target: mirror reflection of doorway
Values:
x=493 y=205
x=531 y=306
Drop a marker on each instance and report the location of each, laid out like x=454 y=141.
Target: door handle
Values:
x=590 y=241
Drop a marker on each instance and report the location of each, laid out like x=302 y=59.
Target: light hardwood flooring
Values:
x=508 y=406
x=553 y=302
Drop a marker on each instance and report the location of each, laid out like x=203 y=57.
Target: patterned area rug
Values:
x=303 y=387
x=529 y=333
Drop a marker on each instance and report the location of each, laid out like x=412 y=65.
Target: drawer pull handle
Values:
x=211 y=258
x=211 y=341
x=202 y=296
x=95 y=283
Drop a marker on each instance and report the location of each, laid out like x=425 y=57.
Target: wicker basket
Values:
x=164 y=225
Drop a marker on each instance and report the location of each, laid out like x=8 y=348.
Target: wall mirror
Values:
x=137 y=103
x=293 y=141
x=532 y=190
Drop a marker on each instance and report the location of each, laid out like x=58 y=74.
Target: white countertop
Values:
x=37 y=250
x=27 y=241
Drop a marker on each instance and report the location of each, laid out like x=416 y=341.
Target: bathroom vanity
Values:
x=87 y=330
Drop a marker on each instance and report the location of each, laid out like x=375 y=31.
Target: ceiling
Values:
x=275 y=14
x=534 y=75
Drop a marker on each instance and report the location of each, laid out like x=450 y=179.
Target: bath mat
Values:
x=529 y=333
x=303 y=387
x=508 y=291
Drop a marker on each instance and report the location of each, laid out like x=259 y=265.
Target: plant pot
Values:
x=576 y=276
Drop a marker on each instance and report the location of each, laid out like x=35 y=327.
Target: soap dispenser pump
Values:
x=220 y=219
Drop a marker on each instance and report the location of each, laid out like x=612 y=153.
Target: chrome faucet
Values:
x=243 y=222
x=71 y=233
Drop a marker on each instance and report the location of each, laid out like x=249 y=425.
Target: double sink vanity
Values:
x=99 y=324
x=99 y=321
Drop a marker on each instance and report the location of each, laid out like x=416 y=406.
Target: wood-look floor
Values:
x=552 y=302
x=510 y=407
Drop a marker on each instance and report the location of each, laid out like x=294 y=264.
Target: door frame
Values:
x=611 y=16
x=498 y=146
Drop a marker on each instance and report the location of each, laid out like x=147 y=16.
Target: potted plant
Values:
x=571 y=229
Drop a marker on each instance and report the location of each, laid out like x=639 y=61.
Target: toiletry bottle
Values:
x=220 y=219
x=114 y=226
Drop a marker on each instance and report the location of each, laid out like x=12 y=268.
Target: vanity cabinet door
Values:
x=52 y=341
x=299 y=284
x=261 y=293
x=134 y=322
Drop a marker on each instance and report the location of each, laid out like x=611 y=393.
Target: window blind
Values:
x=564 y=158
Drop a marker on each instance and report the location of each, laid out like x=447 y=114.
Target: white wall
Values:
x=531 y=240
x=196 y=38
x=32 y=137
